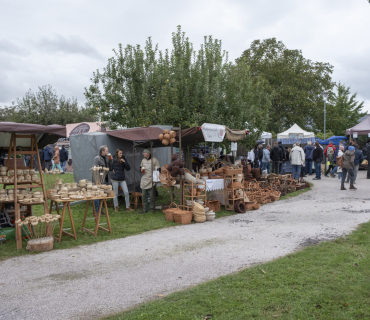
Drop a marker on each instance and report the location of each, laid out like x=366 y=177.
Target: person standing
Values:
x=63 y=158
x=276 y=158
x=329 y=154
x=308 y=153
x=56 y=159
x=260 y=154
x=359 y=158
x=366 y=152
x=256 y=160
x=266 y=159
x=283 y=153
x=347 y=167
x=47 y=157
x=297 y=158
x=339 y=161
x=102 y=160
x=146 y=183
x=317 y=157
x=118 y=178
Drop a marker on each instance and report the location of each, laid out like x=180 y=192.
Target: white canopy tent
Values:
x=266 y=135
x=295 y=133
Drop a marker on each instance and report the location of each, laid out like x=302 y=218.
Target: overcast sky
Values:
x=61 y=43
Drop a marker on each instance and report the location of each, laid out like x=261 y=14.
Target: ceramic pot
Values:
x=83 y=181
x=3 y=173
x=34 y=177
x=23 y=191
x=74 y=185
x=19 y=172
x=28 y=196
x=20 y=178
x=20 y=196
x=26 y=171
x=94 y=188
x=11 y=197
x=27 y=177
x=32 y=171
x=11 y=191
x=58 y=181
x=68 y=185
x=3 y=169
x=11 y=172
x=2 y=191
x=5 y=179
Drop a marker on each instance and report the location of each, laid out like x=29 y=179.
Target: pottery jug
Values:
x=28 y=177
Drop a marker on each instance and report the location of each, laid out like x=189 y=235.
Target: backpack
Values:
x=339 y=161
x=330 y=153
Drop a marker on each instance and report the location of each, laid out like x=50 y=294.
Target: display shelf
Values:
x=230 y=202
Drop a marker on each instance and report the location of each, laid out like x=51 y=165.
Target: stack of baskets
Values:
x=199 y=213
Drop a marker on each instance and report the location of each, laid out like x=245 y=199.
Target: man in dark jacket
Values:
x=308 y=152
x=366 y=153
x=63 y=153
x=317 y=157
x=276 y=157
x=283 y=153
x=47 y=157
x=260 y=154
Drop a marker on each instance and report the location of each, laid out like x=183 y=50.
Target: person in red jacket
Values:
x=329 y=154
x=329 y=147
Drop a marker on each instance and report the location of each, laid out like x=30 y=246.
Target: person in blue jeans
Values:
x=317 y=157
x=308 y=152
x=266 y=159
x=297 y=159
x=63 y=153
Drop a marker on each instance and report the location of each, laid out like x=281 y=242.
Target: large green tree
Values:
x=45 y=107
x=295 y=82
x=147 y=86
x=342 y=111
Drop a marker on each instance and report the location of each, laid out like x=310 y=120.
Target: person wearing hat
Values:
x=146 y=183
x=347 y=167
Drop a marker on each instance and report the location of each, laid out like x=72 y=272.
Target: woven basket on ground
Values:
x=199 y=213
x=183 y=214
x=169 y=212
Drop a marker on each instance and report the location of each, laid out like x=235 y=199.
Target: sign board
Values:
x=234 y=146
x=213 y=132
x=296 y=136
x=355 y=134
x=368 y=134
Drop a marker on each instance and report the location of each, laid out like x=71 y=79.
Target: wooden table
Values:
x=66 y=205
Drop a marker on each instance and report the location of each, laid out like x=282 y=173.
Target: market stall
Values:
x=20 y=139
x=295 y=133
x=361 y=129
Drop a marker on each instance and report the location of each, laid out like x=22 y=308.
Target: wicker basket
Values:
x=231 y=171
x=213 y=205
x=256 y=206
x=249 y=205
x=169 y=212
x=183 y=216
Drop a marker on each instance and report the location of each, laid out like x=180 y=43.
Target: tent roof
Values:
x=295 y=128
x=362 y=128
x=45 y=134
x=137 y=134
x=266 y=135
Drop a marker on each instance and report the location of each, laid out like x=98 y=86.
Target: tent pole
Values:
x=151 y=159
x=133 y=152
x=181 y=186
x=170 y=162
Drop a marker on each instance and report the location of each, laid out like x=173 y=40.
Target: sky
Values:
x=62 y=43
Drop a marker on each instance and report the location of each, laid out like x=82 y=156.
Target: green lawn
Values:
x=123 y=223
x=327 y=281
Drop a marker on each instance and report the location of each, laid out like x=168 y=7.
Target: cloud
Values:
x=69 y=45
x=9 y=48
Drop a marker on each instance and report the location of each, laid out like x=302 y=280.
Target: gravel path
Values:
x=88 y=282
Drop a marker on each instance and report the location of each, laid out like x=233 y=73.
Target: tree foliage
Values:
x=295 y=82
x=342 y=111
x=44 y=107
x=147 y=86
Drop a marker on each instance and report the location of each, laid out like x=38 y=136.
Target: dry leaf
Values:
x=346 y=304
x=318 y=306
x=160 y=295
x=263 y=271
x=355 y=265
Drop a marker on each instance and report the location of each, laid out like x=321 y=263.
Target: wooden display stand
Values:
x=18 y=185
x=230 y=202
x=97 y=217
x=188 y=195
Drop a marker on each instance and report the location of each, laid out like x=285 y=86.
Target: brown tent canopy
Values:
x=137 y=134
x=45 y=134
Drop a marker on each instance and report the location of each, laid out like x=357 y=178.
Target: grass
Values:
x=123 y=223
x=327 y=281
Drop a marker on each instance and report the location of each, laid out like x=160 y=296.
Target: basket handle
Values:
x=186 y=208
x=174 y=204
x=212 y=196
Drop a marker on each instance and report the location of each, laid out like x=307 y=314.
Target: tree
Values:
x=141 y=87
x=342 y=111
x=295 y=83
x=46 y=108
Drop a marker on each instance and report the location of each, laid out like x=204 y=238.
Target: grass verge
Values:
x=123 y=223
x=327 y=281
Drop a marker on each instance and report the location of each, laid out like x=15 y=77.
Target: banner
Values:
x=213 y=132
x=234 y=146
x=355 y=134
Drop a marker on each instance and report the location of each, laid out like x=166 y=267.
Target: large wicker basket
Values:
x=183 y=216
x=169 y=212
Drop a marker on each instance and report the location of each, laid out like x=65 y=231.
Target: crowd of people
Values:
x=341 y=160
